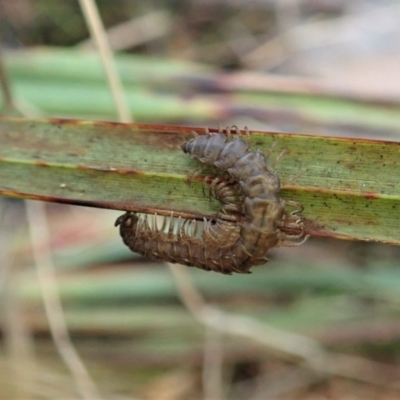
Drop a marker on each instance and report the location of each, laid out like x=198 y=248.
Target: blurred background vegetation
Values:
x=306 y=66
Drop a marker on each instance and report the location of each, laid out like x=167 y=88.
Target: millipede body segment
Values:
x=248 y=224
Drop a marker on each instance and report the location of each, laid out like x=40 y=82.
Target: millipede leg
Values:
x=271 y=149
x=278 y=158
x=299 y=207
x=228 y=132
x=294 y=178
x=248 y=136
x=207 y=184
x=287 y=241
x=207 y=130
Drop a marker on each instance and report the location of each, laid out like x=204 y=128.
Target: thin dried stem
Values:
x=154 y=25
x=12 y=104
x=99 y=36
x=288 y=345
x=291 y=345
x=4 y=246
x=59 y=329
x=8 y=101
x=40 y=238
x=17 y=338
x=212 y=365
x=193 y=301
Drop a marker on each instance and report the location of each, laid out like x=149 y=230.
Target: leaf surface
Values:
x=348 y=187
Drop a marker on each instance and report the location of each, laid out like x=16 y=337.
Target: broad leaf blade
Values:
x=348 y=187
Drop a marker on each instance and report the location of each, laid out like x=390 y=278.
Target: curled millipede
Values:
x=224 y=229
x=248 y=224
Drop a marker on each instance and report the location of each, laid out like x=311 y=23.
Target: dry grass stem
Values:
x=135 y=32
x=99 y=36
x=212 y=365
x=290 y=346
x=8 y=101
x=40 y=238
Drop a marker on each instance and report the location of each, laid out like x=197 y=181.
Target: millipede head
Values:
x=127 y=219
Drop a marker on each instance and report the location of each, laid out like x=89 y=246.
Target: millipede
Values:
x=248 y=224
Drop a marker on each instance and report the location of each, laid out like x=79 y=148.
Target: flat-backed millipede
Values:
x=248 y=224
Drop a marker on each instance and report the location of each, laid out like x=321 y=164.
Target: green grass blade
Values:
x=348 y=187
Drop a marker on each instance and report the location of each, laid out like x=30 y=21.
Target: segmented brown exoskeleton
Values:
x=262 y=207
x=247 y=226
x=224 y=229
x=175 y=242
